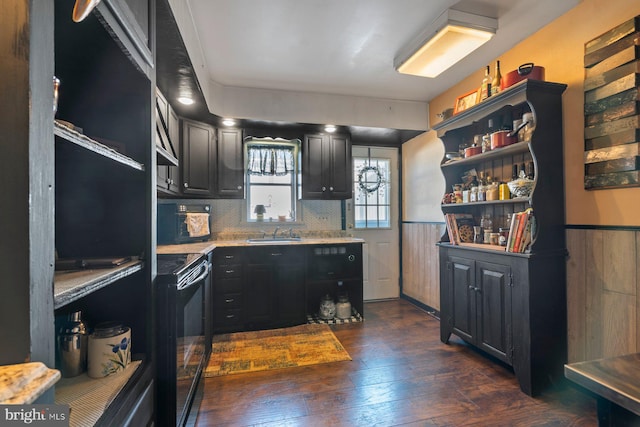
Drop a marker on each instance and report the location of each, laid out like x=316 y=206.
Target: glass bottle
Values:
x=485 y=89
x=497 y=80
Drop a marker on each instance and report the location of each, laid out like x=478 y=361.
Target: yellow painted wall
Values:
x=559 y=47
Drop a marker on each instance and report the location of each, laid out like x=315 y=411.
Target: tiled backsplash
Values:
x=318 y=218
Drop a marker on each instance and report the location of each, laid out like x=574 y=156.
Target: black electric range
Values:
x=183 y=333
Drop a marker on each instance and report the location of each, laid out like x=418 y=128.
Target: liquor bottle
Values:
x=514 y=172
x=485 y=89
x=497 y=80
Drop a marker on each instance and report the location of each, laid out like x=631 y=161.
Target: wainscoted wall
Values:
x=603 y=292
x=420 y=262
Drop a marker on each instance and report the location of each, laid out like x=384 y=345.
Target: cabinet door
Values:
x=229 y=165
x=259 y=295
x=493 y=293
x=198 y=158
x=289 y=277
x=340 y=179
x=462 y=297
x=315 y=158
x=173 y=172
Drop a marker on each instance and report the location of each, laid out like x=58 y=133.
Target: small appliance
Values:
x=183 y=223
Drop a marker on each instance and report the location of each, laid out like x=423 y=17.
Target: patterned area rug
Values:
x=274 y=349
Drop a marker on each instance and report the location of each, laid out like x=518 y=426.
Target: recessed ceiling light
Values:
x=330 y=128
x=185 y=100
x=228 y=122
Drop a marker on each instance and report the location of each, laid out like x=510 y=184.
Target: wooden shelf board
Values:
x=71 y=285
x=490 y=202
x=88 y=398
x=67 y=134
x=518 y=147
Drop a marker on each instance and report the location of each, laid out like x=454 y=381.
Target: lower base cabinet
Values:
x=511 y=306
x=265 y=287
x=480 y=305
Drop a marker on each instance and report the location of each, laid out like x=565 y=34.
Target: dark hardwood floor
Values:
x=401 y=374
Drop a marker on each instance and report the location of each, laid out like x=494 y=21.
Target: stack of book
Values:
x=521 y=231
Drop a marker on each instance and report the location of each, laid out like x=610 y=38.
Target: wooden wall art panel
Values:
x=612 y=108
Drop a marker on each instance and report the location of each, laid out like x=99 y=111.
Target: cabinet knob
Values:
x=276 y=254
x=351 y=257
x=239 y=187
x=229 y=300
x=229 y=271
x=324 y=188
x=230 y=316
x=186 y=185
x=330 y=188
x=167 y=180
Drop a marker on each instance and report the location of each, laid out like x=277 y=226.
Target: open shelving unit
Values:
x=104 y=200
x=510 y=305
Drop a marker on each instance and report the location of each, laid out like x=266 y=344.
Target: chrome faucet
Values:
x=275 y=232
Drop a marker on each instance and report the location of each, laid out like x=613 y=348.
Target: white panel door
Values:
x=372 y=215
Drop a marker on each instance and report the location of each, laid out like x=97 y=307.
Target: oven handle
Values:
x=207 y=269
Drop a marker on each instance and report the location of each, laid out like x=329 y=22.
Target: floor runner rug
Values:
x=274 y=349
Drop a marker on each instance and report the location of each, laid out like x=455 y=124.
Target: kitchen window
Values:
x=271 y=179
x=371 y=192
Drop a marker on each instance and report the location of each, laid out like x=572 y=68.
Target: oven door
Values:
x=183 y=340
x=191 y=348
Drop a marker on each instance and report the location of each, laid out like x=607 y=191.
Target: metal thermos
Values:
x=72 y=346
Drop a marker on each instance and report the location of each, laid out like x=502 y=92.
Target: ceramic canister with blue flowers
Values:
x=109 y=349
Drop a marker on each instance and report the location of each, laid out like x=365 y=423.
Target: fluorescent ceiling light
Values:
x=450 y=38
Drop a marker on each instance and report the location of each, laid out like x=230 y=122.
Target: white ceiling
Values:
x=346 y=47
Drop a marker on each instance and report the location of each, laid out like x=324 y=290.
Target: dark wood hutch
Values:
x=510 y=305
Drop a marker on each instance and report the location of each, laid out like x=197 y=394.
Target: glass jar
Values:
x=327 y=309
x=473 y=194
x=343 y=307
x=481 y=193
x=492 y=191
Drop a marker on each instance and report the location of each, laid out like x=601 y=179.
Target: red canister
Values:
x=525 y=71
x=501 y=138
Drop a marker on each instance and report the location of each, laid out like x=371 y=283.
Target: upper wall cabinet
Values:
x=167 y=135
x=327 y=171
x=229 y=164
x=198 y=159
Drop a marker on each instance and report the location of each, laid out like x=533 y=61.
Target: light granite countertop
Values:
x=208 y=246
x=23 y=383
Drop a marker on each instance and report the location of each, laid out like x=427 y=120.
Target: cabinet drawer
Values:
x=276 y=254
x=227 y=271
x=227 y=286
x=227 y=318
x=226 y=256
x=227 y=301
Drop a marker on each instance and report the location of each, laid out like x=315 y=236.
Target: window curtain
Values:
x=270 y=160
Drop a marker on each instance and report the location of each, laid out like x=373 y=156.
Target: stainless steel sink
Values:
x=272 y=240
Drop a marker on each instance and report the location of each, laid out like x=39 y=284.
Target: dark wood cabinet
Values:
x=168 y=144
x=229 y=164
x=511 y=305
x=228 y=290
x=479 y=304
x=198 y=159
x=276 y=286
x=327 y=170
x=83 y=189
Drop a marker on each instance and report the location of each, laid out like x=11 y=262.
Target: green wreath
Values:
x=364 y=184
